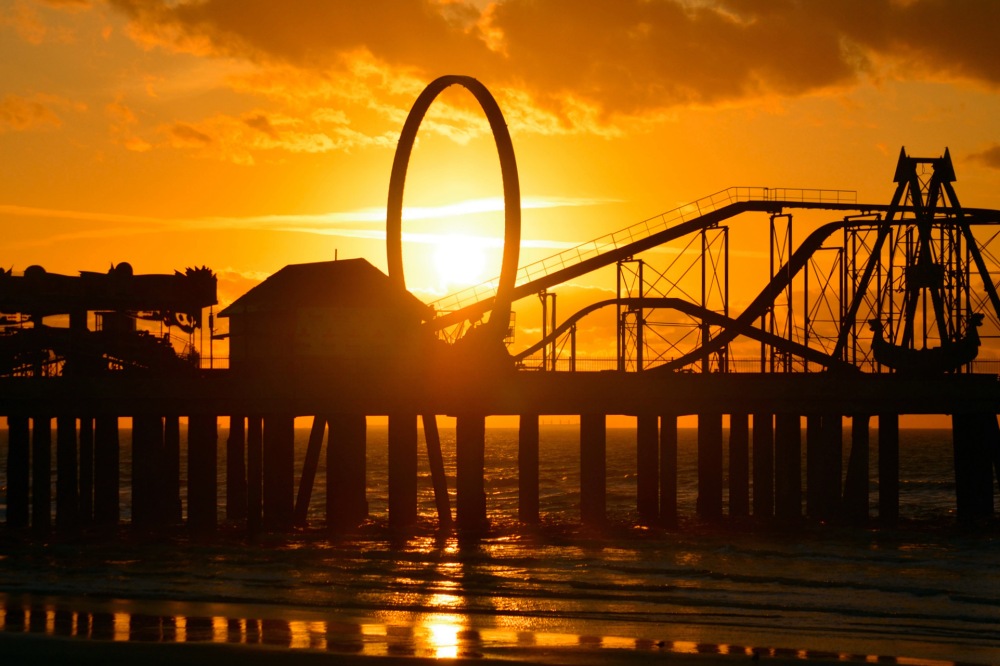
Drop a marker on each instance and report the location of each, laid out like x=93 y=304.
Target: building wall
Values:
x=315 y=336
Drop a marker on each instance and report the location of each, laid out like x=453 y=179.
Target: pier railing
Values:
x=640 y=231
x=734 y=365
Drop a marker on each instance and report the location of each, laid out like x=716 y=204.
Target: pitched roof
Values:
x=347 y=283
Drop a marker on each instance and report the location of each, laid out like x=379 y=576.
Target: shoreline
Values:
x=112 y=631
x=27 y=649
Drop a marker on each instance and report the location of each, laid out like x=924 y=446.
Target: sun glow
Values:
x=460 y=261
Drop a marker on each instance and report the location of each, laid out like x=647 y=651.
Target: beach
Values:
x=924 y=592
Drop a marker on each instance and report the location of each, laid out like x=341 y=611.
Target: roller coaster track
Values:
x=714 y=318
x=743 y=324
x=704 y=213
x=691 y=218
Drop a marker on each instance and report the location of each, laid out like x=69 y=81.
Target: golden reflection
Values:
x=499 y=636
x=121 y=621
x=317 y=635
x=220 y=630
x=374 y=640
x=556 y=640
x=438 y=635
x=618 y=642
x=180 y=628
x=444 y=601
x=300 y=634
x=442 y=636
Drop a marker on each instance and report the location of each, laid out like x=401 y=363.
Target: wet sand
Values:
x=25 y=649
x=88 y=630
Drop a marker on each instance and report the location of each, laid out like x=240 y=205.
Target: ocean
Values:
x=925 y=591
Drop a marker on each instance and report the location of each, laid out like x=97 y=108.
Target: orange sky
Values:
x=248 y=134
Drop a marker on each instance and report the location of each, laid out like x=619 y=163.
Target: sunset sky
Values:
x=249 y=134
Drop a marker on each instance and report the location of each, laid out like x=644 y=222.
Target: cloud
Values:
x=20 y=113
x=583 y=65
x=364 y=223
x=183 y=134
x=123 y=126
x=989 y=157
x=260 y=123
x=69 y=4
x=32 y=27
x=238 y=139
x=632 y=55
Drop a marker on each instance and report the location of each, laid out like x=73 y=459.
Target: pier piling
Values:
x=470 y=459
x=709 y=502
x=172 y=512
x=67 y=481
x=647 y=465
x=203 y=455
x=107 y=454
x=86 y=435
x=668 y=470
x=527 y=465
x=739 y=465
x=18 y=471
x=346 y=482
x=278 y=471
x=41 y=473
x=787 y=467
x=402 y=470
x=824 y=434
x=593 y=468
x=148 y=460
x=888 y=468
x=974 y=438
x=236 y=471
x=856 y=494
x=763 y=466
x=255 y=474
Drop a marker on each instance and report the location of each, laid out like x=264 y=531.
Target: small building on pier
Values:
x=325 y=315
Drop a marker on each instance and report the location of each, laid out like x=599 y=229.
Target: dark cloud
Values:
x=630 y=55
x=949 y=38
x=408 y=33
x=989 y=157
x=187 y=135
x=18 y=114
x=260 y=123
x=618 y=56
x=633 y=55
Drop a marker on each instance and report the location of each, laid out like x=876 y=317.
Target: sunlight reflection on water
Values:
x=434 y=635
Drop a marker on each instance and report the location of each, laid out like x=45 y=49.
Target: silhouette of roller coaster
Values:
x=909 y=286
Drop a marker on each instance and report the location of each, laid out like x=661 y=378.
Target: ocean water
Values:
x=923 y=592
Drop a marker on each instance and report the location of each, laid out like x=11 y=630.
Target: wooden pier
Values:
x=791 y=414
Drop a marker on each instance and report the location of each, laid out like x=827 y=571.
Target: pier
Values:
x=880 y=313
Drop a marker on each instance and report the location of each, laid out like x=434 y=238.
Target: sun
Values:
x=460 y=261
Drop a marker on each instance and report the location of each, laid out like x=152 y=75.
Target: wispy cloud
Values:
x=19 y=113
x=306 y=221
x=361 y=223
